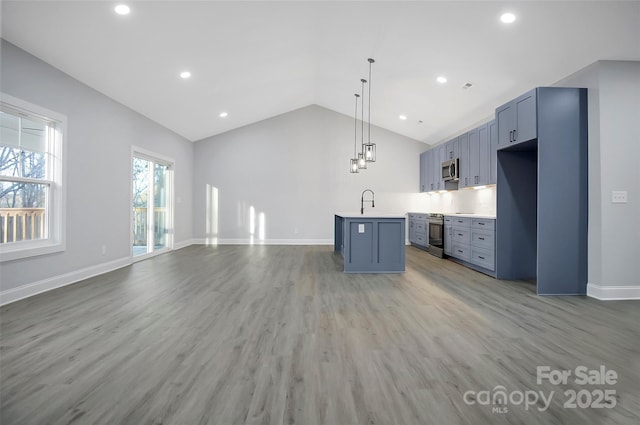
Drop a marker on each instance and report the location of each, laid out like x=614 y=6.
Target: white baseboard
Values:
x=246 y=241
x=184 y=244
x=25 y=291
x=613 y=292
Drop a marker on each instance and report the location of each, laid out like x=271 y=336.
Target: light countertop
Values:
x=369 y=214
x=485 y=216
x=488 y=217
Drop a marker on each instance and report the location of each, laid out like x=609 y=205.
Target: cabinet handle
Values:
x=460 y=251
x=460 y=234
x=480 y=257
x=511 y=136
x=515 y=135
x=481 y=239
x=481 y=224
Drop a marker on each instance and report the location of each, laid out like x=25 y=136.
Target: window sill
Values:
x=20 y=251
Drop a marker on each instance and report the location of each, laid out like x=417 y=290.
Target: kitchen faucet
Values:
x=373 y=202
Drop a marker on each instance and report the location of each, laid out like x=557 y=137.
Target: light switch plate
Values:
x=619 y=197
x=360 y=228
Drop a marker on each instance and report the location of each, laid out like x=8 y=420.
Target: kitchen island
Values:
x=370 y=243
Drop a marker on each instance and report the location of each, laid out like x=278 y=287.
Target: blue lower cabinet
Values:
x=371 y=244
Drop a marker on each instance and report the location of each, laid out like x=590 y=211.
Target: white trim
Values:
x=609 y=293
x=169 y=162
x=245 y=241
x=184 y=244
x=24 y=291
x=57 y=220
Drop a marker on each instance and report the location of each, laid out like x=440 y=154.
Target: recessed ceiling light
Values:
x=185 y=74
x=223 y=114
x=441 y=79
x=122 y=9
x=402 y=117
x=508 y=18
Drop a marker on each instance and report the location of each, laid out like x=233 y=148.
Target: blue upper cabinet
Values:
x=451 y=149
x=517 y=121
x=476 y=152
x=424 y=181
x=493 y=151
x=436 y=164
x=483 y=176
x=475 y=157
x=463 y=164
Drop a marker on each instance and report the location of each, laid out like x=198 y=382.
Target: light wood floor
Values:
x=278 y=334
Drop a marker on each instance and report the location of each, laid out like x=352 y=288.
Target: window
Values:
x=31 y=189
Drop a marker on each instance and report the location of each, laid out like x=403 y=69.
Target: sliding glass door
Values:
x=152 y=221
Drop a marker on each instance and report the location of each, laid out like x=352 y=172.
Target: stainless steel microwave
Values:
x=450 y=170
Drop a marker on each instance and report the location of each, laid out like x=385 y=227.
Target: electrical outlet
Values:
x=619 y=197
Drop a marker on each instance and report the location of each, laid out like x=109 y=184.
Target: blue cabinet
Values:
x=463 y=155
x=517 y=121
x=542 y=193
x=451 y=149
x=370 y=244
x=412 y=229
x=425 y=181
x=483 y=175
x=418 y=230
x=448 y=235
x=471 y=242
x=493 y=152
x=476 y=157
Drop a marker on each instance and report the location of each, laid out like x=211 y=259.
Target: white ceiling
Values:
x=256 y=60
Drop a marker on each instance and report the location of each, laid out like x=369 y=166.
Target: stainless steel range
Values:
x=436 y=234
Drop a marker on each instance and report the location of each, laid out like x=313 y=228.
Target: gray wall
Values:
x=98 y=141
x=294 y=168
x=614 y=164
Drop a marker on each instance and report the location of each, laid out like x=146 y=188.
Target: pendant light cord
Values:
x=362 y=120
x=369 y=133
x=355 y=128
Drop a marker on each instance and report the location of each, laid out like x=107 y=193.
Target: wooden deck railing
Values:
x=19 y=224
x=140 y=225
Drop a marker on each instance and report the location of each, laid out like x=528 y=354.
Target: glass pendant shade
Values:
x=370 y=152
x=362 y=162
x=353 y=162
x=353 y=166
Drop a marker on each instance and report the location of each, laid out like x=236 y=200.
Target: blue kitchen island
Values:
x=370 y=243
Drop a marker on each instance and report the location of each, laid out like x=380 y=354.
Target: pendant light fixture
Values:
x=362 y=162
x=369 y=149
x=353 y=166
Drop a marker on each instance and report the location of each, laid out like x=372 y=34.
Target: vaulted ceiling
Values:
x=259 y=59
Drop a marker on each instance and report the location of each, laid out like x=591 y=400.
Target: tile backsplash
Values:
x=469 y=201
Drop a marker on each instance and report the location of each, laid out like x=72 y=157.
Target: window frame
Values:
x=154 y=158
x=56 y=180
